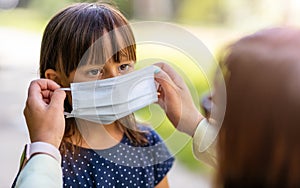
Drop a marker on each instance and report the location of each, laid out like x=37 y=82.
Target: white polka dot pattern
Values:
x=123 y=165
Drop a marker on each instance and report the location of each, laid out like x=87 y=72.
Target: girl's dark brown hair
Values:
x=73 y=38
x=259 y=143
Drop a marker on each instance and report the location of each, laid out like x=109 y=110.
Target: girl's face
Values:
x=88 y=72
x=102 y=71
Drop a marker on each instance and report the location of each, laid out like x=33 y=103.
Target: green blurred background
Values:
x=215 y=22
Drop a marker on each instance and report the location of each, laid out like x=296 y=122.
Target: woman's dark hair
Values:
x=259 y=143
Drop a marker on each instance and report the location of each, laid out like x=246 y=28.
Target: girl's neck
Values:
x=96 y=136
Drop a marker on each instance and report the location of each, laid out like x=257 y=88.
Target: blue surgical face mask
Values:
x=105 y=101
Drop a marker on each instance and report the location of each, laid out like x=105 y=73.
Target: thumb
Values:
x=57 y=99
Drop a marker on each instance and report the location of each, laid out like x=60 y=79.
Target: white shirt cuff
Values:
x=204 y=143
x=200 y=134
x=42 y=147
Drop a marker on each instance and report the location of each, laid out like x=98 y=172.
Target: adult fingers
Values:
x=164 y=80
x=171 y=74
x=57 y=99
x=46 y=84
x=37 y=86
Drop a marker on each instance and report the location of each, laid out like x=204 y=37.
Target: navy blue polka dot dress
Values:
x=122 y=165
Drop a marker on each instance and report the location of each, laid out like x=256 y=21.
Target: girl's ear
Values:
x=52 y=75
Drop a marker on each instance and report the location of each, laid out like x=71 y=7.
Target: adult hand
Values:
x=44 y=112
x=176 y=100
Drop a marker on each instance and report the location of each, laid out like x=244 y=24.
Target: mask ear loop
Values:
x=67 y=114
x=65 y=89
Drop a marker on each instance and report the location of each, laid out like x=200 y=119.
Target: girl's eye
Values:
x=94 y=72
x=124 y=67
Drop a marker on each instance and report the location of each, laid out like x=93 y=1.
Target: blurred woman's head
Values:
x=259 y=142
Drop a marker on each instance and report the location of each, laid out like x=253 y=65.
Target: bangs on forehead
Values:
x=117 y=45
x=76 y=35
x=124 y=45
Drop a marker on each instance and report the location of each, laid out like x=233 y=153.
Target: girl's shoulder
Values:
x=151 y=135
x=145 y=128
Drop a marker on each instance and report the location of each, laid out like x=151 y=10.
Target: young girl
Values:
x=121 y=154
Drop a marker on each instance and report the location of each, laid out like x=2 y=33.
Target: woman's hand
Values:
x=44 y=112
x=176 y=100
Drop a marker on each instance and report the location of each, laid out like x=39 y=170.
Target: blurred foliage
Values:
x=207 y=12
x=23 y=19
x=43 y=6
x=47 y=8
x=35 y=14
x=125 y=7
x=204 y=12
